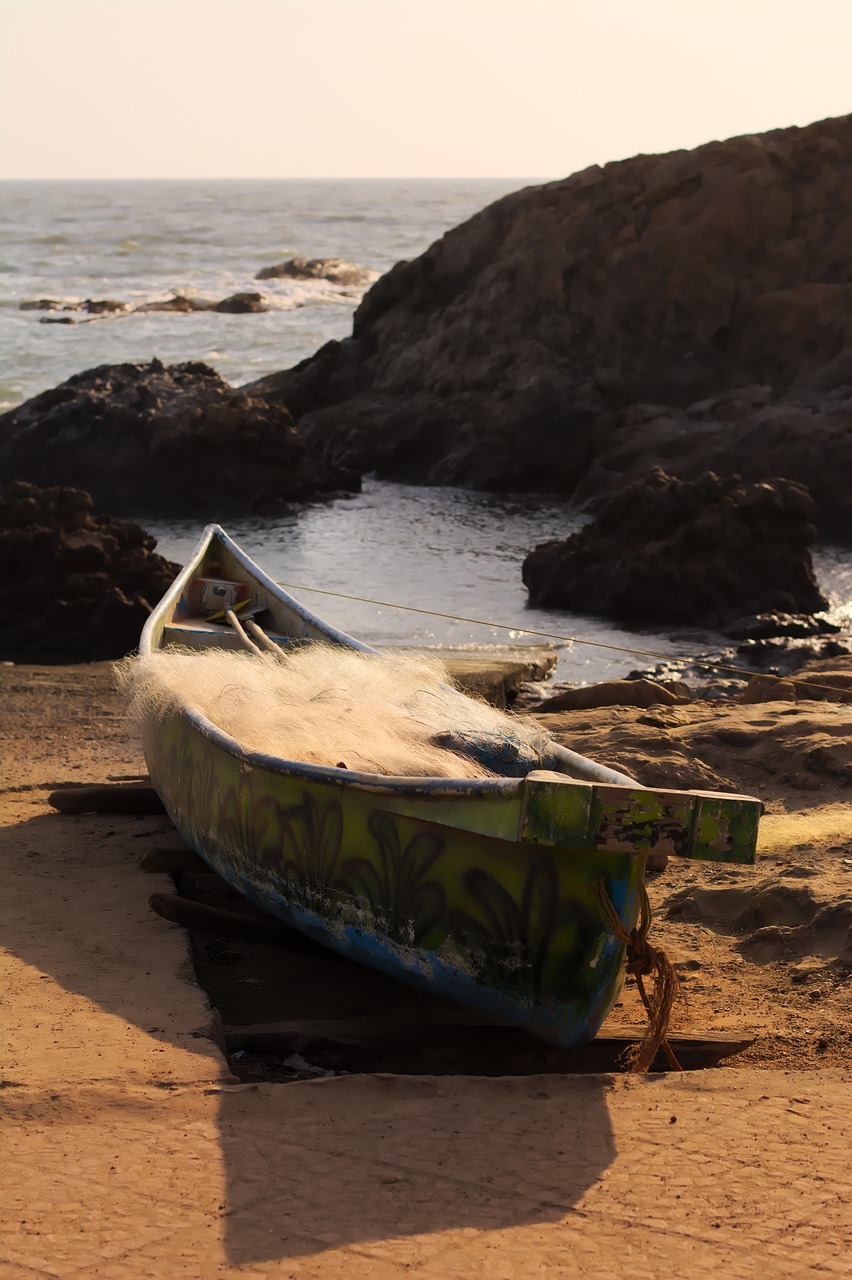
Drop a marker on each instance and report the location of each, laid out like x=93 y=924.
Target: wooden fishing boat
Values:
x=480 y=890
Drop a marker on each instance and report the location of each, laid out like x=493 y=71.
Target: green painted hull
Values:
x=479 y=890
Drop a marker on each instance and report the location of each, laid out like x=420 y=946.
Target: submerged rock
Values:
x=40 y=304
x=666 y=550
x=94 y=306
x=77 y=587
x=694 y=307
x=769 y=626
x=165 y=440
x=243 y=304
x=336 y=270
x=179 y=303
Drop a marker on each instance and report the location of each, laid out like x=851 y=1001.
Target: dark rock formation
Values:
x=40 y=304
x=769 y=626
x=94 y=306
x=691 y=309
x=243 y=304
x=77 y=587
x=673 y=551
x=337 y=270
x=103 y=306
x=236 y=304
x=179 y=303
x=150 y=439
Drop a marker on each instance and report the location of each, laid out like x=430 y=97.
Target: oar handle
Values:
x=571 y=762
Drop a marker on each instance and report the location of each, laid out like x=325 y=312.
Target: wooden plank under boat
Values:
x=480 y=890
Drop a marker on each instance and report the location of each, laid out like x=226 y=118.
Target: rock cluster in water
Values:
x=236 y=304
x=335 y=270
x=165 y=440
x=693 y=309
x=665 y=550
x=77 y=587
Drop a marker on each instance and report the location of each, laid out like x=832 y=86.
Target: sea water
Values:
x=137 y=242
x=448 y=551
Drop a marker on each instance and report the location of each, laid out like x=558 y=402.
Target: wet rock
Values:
x=40 y=304
x=769 y=626
x=94 y=306
x=103 y=306
x=78 y=586
x=179 y=303
x=786 y=654
x=158 y=440
x=336 y=270
x=243 y=304
x=694 y=307
x=665 y=550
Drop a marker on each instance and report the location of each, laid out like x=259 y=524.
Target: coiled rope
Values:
x=644 y=960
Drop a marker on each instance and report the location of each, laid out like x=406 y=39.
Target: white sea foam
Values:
x=372 y=713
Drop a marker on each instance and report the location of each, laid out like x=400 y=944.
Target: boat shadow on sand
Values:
x=332 y=1163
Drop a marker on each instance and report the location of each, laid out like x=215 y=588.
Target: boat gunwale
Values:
x=375 y=782
x=349 y=777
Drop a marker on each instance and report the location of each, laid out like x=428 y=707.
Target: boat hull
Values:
x=482 y=890
x=511 y=929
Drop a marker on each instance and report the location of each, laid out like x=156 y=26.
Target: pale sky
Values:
x=402 y=88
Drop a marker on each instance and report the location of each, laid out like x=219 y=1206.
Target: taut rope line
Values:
x=546 y=635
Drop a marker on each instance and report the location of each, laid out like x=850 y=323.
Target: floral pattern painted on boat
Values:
x=510 y=926
x=394 y=883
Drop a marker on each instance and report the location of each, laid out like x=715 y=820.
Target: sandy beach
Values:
x=132 y=1150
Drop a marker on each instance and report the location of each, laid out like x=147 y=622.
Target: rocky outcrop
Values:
x=236 y=304
x=820 y=684
x=336 y=270
x=153 y=440
x=242 y=304
x=756 y=750
x=666 y=550
x=77 y=587
x=94 y=306
x=179 y=302
x=693 y=309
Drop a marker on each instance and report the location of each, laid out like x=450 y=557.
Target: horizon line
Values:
x=406 y=177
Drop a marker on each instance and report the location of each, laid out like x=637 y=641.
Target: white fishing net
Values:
x=373 y=713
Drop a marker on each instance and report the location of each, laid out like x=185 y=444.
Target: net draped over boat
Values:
x=392 y=714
